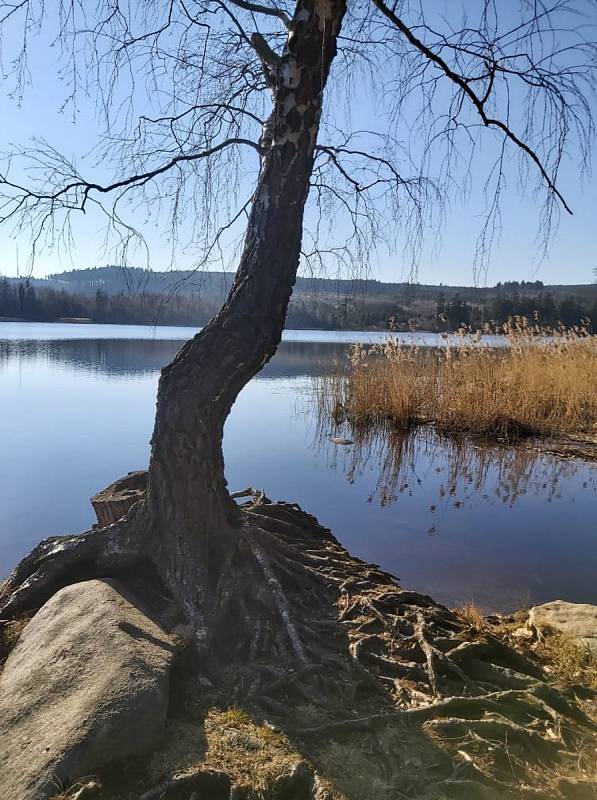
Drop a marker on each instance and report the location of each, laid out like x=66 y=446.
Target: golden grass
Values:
x=470 y=614
x=253 y=755
x=542 y=382
x=567 y=659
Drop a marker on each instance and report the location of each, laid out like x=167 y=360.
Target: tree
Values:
x=458 y=313
x=570 y=312
x=212 y=68
x=101 y=304
x=8 y=299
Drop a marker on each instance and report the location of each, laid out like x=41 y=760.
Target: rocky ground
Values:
x=360 y=690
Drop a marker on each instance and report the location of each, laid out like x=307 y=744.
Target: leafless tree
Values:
x=237 y=89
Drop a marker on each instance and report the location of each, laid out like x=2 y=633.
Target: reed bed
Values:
x=538 y=381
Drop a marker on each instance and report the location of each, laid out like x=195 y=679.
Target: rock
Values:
x=115 y=500
x=86 y=684
x=574 y=619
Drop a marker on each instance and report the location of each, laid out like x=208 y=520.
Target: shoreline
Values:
x=157 y=324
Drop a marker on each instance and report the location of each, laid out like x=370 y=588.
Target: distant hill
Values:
x=117 y=294
x=116 y=279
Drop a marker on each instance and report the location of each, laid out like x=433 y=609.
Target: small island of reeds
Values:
x=522 y=379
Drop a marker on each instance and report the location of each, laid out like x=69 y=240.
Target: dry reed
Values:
x=538 y=381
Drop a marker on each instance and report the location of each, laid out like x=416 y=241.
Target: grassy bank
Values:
x=543 y=381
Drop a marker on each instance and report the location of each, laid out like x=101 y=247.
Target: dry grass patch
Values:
x=254 y=756
x=567 y=659
x=470 y=614
x=224 y=745
x=541 y=382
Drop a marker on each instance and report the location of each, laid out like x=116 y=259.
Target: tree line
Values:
x=23 y=301
x=568 y=311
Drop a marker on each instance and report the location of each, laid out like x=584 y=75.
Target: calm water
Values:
x=458 y=521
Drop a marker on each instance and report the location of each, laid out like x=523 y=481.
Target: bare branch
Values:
x=257 y=8
x=75 y=194
x=479 y=102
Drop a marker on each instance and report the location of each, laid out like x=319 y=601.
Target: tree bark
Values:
x=192 y=518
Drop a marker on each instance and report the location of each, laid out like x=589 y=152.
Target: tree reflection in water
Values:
x=461 y=470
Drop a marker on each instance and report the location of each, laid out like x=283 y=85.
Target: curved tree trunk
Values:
x=191 y=514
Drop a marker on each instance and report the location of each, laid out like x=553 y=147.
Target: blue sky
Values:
x=572 y=256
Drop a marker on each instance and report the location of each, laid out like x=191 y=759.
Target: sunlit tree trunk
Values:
x=192 y=516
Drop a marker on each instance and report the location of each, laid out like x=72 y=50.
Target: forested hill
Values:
x=115 y=294
x=116 y=279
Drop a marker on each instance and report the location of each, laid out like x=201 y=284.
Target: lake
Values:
x=501 y=526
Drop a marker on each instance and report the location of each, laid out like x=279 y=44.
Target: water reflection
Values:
x=460 y=470
x=133 y=357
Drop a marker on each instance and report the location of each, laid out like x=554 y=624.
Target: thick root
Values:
x=62 y=560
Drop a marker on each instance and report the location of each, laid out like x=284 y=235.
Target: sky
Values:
x=447 y=258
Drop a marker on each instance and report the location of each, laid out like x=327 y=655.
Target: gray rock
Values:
x=86 y=684
x=578 y=620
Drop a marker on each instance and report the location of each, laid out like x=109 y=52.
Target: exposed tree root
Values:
x=208 y=783
x=385 y=692
x=280 y=602
x=61 y=560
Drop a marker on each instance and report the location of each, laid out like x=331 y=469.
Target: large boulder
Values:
x=115 y=500
x=86 y=684
x=578 y=620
